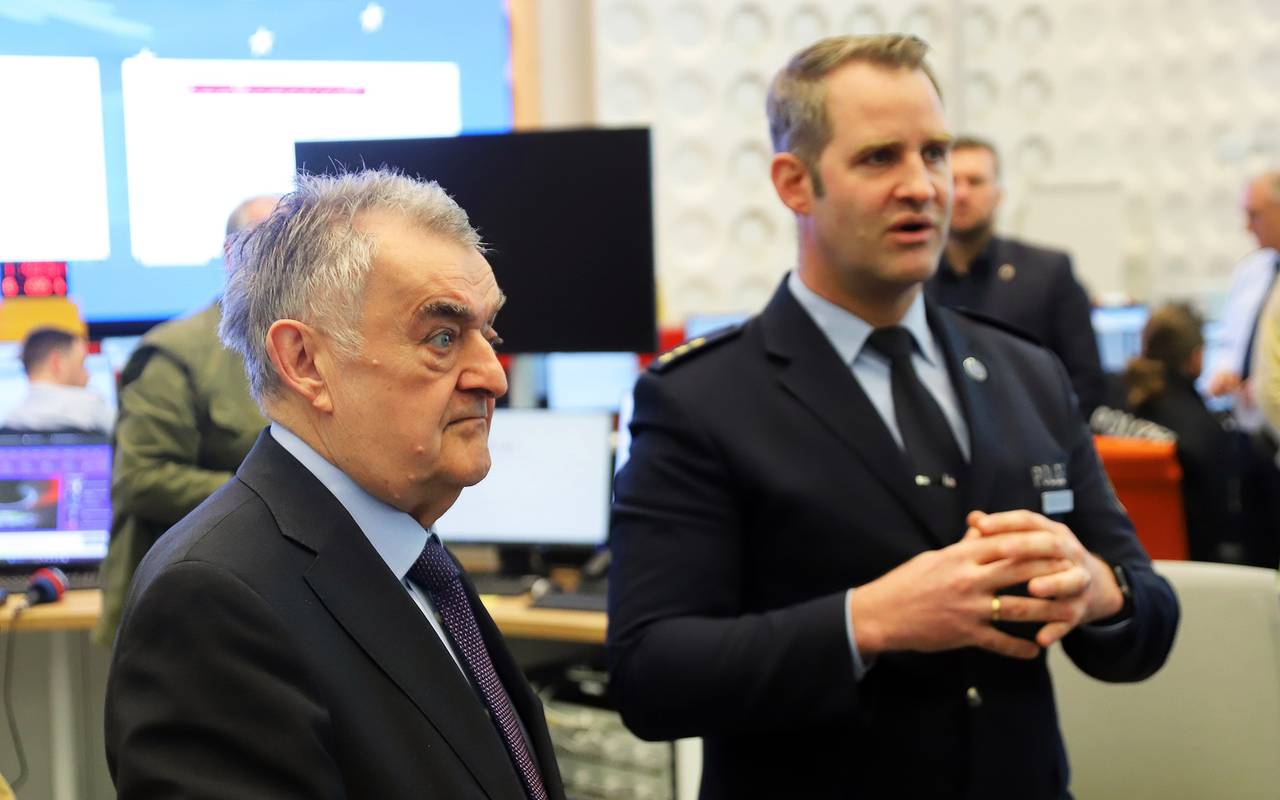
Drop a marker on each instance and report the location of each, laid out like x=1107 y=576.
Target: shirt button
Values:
x=973 y=697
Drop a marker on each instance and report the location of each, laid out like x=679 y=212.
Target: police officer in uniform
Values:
x=1030 y=287
x=850 y=528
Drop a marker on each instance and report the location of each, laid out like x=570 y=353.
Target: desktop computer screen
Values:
x=590 y=381
x=55 y=498
x=567 y=218
x=549 y=483
x=1119 y=333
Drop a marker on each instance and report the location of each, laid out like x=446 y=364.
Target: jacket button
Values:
x=973 y=697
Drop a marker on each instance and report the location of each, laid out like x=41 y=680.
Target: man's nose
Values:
x=483 y=371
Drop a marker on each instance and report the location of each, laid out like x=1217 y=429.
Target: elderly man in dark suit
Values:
x=849 y=529
x=303 y=634
x=1032 y=288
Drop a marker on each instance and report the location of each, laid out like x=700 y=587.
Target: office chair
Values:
x=1208 y=723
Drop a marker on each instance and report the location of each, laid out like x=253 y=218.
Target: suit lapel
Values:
x=810 y=370
x=976 y=401
x=355 y=586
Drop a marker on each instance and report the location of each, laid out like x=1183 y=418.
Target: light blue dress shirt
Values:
x=1249 y=284
x=397 y=537
x=848 y=334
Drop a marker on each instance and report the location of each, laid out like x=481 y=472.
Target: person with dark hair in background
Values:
x=186 y=421
x=304 y=633
x=1162 y=388
x=1032 y=288
x=832 y=512
x=58 y=394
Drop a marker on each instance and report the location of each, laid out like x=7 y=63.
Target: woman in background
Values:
x=1161 y=388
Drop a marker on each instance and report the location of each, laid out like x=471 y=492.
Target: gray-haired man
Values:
x=303 y=634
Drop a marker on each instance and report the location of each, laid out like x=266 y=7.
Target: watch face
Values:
x=1122 y=581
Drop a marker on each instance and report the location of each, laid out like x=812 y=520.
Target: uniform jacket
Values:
x=763 y=484
x=266 y=651
x=186 y=422
x=1035 y=290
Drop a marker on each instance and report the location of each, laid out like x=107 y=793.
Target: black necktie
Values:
x=1247 y=366
x=930 y=445
x=938 y=469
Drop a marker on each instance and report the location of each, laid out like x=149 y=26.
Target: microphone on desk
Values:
x=46 y=585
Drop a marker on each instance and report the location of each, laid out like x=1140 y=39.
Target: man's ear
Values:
x=55 y=365
x=792 y=182
x=301 y=359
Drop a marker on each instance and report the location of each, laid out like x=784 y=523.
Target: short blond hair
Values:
x=797 y=102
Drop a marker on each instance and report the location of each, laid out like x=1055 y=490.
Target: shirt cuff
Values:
x=860 y=667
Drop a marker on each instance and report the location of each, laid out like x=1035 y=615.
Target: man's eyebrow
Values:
x=944 y=139
x=452 y=309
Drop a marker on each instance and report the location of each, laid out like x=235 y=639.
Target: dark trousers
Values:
x=1260 y=502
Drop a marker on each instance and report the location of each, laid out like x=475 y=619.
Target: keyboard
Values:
x=77 y=579
x=573 y=601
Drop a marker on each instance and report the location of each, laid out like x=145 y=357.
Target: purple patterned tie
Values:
x=435 y=571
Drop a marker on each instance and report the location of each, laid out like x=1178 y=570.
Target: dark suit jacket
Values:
x=762 y=484
x=266 y=651
x=1210 y=471
x=1040 y=296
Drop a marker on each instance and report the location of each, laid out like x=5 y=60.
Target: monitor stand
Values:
x=520 y=568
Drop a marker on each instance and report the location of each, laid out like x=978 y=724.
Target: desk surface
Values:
x=79 y=610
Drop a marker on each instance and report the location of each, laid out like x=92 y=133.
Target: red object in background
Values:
x=33 y=279
x=1148 y=480
x=668 y=337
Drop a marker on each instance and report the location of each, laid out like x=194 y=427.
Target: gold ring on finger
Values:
x=995 y=609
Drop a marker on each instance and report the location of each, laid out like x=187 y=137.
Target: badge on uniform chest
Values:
x=1051 y=480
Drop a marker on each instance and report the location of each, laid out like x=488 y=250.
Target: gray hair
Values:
x=308 y=261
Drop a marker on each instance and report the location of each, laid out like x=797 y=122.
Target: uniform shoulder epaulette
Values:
x=1007 y=327
x=686 y=351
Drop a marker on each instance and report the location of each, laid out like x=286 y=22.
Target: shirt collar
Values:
x=398 y=537
x=848 y=332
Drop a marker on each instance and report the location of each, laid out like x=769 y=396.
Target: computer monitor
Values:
x=590 y=381
x=549 y=483
x=117 y=350
x=55 y=499
x=1119 y=333
x=567 y=217
x=13 y=380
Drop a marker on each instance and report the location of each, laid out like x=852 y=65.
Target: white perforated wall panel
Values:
x=1127 y=128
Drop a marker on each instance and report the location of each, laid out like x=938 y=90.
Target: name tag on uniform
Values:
x=1059 y=501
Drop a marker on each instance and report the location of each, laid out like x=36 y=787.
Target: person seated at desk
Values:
x=1161 y=388
x=58 y=396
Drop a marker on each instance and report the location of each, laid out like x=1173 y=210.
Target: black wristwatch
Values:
x=1126 y=591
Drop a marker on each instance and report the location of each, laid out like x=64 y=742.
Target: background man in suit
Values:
x=1030 y=287
x=778 y=464
x=303 y=634
x=1247 y=369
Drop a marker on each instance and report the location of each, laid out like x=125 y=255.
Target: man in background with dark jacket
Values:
x=1032 y=288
